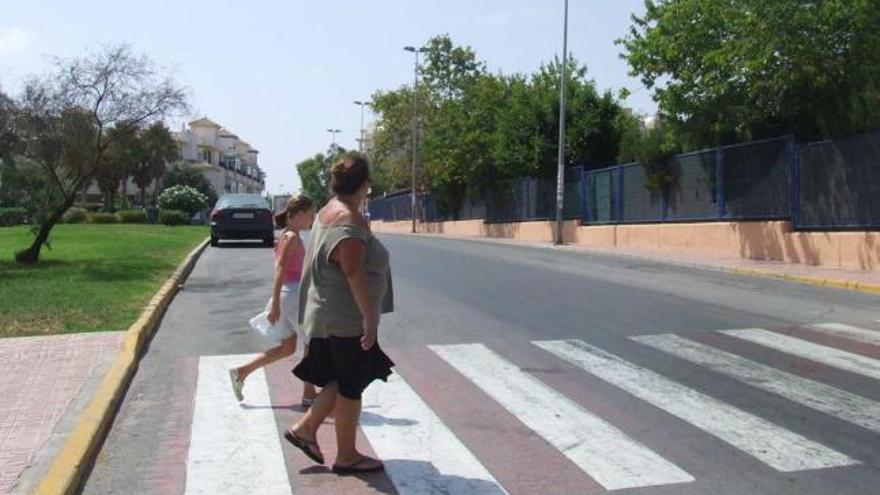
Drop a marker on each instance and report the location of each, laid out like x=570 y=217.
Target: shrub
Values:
x=181 y=174
x=121 y=203
x=182 y=198
x=132 y=216
x=102 y=218
x=76 y=215
x=174 y=217
x=12 y=216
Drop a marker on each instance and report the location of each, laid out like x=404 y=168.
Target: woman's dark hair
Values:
x=296 y=204
x=349 y=173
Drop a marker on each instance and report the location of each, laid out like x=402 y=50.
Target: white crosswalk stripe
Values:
x=851 y=332
x=831 y=356
x=607 y=454
x=234 y=449
x=825 y=398
x=777 y=447
x=422 y=455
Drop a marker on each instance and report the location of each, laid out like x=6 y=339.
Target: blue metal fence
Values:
x=838 y=184
x=830 y=184
x=530 y=199
x=741 y=182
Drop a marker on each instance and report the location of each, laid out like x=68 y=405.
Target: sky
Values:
x=280 y=73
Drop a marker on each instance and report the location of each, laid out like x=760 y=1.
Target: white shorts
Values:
x=286 y=326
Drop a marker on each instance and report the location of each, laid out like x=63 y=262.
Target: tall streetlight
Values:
x=333 y=132
x=415 y=127
x=563 y=93
x=362 y=104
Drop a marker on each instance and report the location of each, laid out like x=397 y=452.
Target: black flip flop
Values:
x=304 y=445
x=354 y=469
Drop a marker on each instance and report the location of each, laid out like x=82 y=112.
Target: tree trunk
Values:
x=143 y=196
x=31 y=255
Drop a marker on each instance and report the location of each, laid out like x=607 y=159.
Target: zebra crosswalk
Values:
x=234 y=448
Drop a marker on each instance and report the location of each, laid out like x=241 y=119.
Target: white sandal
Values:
x=237 y=384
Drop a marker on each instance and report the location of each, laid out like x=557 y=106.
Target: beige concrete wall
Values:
x=772 y=241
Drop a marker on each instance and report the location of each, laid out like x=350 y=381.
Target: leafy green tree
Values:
x=391 y=153
x=449 y=69
x=731 y=70
x=528 y=122
x=63 y=121
x=8 y=136
x=314 y=174
x=458 y=158
x=478 y=130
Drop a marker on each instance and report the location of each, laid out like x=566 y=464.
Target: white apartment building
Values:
x=229 y=162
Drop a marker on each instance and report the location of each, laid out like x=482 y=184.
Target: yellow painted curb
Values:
x=816 y=281
x=80 y=447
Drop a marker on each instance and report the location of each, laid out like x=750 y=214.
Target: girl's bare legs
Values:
x=285 y=349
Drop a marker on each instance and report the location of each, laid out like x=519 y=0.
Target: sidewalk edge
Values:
x=749 y=272
x=67 y=469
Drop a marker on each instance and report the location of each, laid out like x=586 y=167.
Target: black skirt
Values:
x=342 y=360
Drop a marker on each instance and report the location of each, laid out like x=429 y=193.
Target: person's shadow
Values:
x=415 y=476
x=410 y=476
x=372 y=419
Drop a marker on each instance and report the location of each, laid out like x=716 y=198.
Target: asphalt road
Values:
x=650 y=422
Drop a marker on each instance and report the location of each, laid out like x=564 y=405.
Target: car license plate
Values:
x=242 y=215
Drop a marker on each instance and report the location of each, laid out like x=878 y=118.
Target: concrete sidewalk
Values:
x=47 y=382
x=841 y=278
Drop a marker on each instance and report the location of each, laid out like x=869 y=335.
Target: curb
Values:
x=66 y=472
x=748 y=272
x=816 y=281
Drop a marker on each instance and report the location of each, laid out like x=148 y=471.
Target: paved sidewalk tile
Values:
x=41 y=377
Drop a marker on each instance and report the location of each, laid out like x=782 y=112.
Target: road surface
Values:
x=525 y=371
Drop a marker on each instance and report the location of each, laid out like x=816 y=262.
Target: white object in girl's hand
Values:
x=285 y=327
x=274 y=333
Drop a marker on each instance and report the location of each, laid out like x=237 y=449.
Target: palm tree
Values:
x=157 y=149
x=122 y=154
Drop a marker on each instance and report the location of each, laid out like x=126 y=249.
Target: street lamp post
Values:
x=415 y=127
x=563 y=93
x=362 y=104
x=333 y=132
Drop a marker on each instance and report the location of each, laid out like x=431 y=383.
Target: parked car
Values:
x=242 y=216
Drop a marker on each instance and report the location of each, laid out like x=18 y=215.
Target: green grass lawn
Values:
x=95 y=277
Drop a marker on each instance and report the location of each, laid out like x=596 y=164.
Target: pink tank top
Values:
x=293 y=270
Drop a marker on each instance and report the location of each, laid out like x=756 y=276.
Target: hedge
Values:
x=12 y=216
x=102 y=218
x=174 y=217
x=76 y=215
x=132 y=216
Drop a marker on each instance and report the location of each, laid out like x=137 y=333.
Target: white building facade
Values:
x=227 y=161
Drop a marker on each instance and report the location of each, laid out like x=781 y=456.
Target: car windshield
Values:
x=242 y=201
